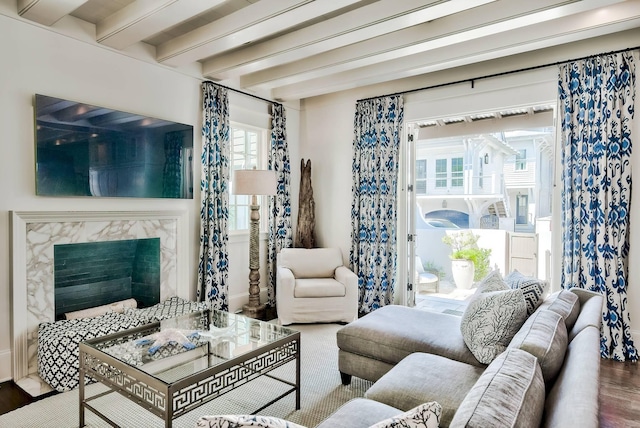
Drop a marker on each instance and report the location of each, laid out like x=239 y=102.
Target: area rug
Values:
x=321 y=394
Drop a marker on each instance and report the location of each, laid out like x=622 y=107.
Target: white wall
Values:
x=327 y=132
x=37 y=60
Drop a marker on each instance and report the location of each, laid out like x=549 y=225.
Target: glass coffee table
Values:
x=176 y=365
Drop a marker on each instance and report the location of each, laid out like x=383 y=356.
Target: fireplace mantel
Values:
x=33 y=235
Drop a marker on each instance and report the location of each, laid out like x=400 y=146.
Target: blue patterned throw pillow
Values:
x=426 y=415
x=532 y=288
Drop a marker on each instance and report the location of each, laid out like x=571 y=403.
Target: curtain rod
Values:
x=243 y=93
x=504 y=73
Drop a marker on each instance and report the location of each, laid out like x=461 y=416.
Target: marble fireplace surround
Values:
x=34 y=234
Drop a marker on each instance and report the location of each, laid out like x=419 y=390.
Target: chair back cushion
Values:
x=311 y=262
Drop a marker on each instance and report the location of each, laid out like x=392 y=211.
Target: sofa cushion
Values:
x=233 y=421
x=544 y=336
x=425 y=415
x=573 y=399
x=532 y=288
x=566 y=304
x=318 y=287
x=590 y=311
x=359 y=413
x=421 y=378
x=311 y=262
x=392 y=332
x=510 y=393
x=491 y=319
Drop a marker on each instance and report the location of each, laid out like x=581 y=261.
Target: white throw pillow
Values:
x=492 y=318
x=233 y=421
x=532 y=288
x=492 y=282
x=426 y=415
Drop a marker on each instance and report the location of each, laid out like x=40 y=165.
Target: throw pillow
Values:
x=490 y=321
x=532 y=288
x=544 y=336
x=426 y=415
x=492 y=282
x=234 y=421
x=510 y=393
x=566 y=304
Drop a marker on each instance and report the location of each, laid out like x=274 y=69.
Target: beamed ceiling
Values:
x=293 y=49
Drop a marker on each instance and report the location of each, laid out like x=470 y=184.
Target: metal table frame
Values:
x=171 y=400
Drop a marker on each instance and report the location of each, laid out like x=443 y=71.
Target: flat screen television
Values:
x=85 y=150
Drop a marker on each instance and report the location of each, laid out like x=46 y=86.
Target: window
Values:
x=521 y=160
x=522 y=209
x=457 y=173
x=247 y=151
x=441 y=173
x=421 y=176
x=481 y=172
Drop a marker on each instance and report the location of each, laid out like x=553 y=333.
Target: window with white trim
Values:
x=521 y=160
x=441 y=173
x=421 y=176
x=457 y=172
x=248 y=149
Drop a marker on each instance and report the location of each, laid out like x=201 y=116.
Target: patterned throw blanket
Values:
x=58 y=341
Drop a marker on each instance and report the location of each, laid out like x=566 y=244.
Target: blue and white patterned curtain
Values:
x=376 y=144
x=280 y=230
x=213 y=268
x=596 y=105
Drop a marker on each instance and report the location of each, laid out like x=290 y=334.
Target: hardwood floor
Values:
x=619 y=395
x=12 y=397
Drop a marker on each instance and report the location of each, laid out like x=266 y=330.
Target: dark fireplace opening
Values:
x=87 y=275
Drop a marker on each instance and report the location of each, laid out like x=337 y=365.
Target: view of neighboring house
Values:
x=497 y=183
x=506 y=174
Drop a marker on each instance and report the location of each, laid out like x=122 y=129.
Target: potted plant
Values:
x=469 y=262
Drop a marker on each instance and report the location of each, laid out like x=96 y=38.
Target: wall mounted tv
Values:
x=84 y=150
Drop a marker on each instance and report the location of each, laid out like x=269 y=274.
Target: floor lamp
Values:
x=254 y=182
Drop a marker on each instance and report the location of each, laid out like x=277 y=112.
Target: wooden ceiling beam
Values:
x=144 y=18
x=372 y=20
x=47 y=12
x=464 y=27
x=479 y=50
x=253 y=22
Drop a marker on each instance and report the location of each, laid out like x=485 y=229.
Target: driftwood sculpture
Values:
x=305 y=235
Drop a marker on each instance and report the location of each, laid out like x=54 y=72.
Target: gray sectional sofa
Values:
x=547 y=374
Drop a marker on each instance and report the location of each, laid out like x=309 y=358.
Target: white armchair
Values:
x=313 y=285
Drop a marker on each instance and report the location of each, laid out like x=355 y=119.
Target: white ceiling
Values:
x=293 y=49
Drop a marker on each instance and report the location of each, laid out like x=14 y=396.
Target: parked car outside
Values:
x=440 y=223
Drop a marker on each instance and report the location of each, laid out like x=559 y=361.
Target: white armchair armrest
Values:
x=345 y=276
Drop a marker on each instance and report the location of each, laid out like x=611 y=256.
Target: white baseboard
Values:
x=5 y=365
x=237 y=300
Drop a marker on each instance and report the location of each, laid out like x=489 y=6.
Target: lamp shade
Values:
x=254 y=182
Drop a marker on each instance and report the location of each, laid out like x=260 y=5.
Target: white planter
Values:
x=463 y=271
